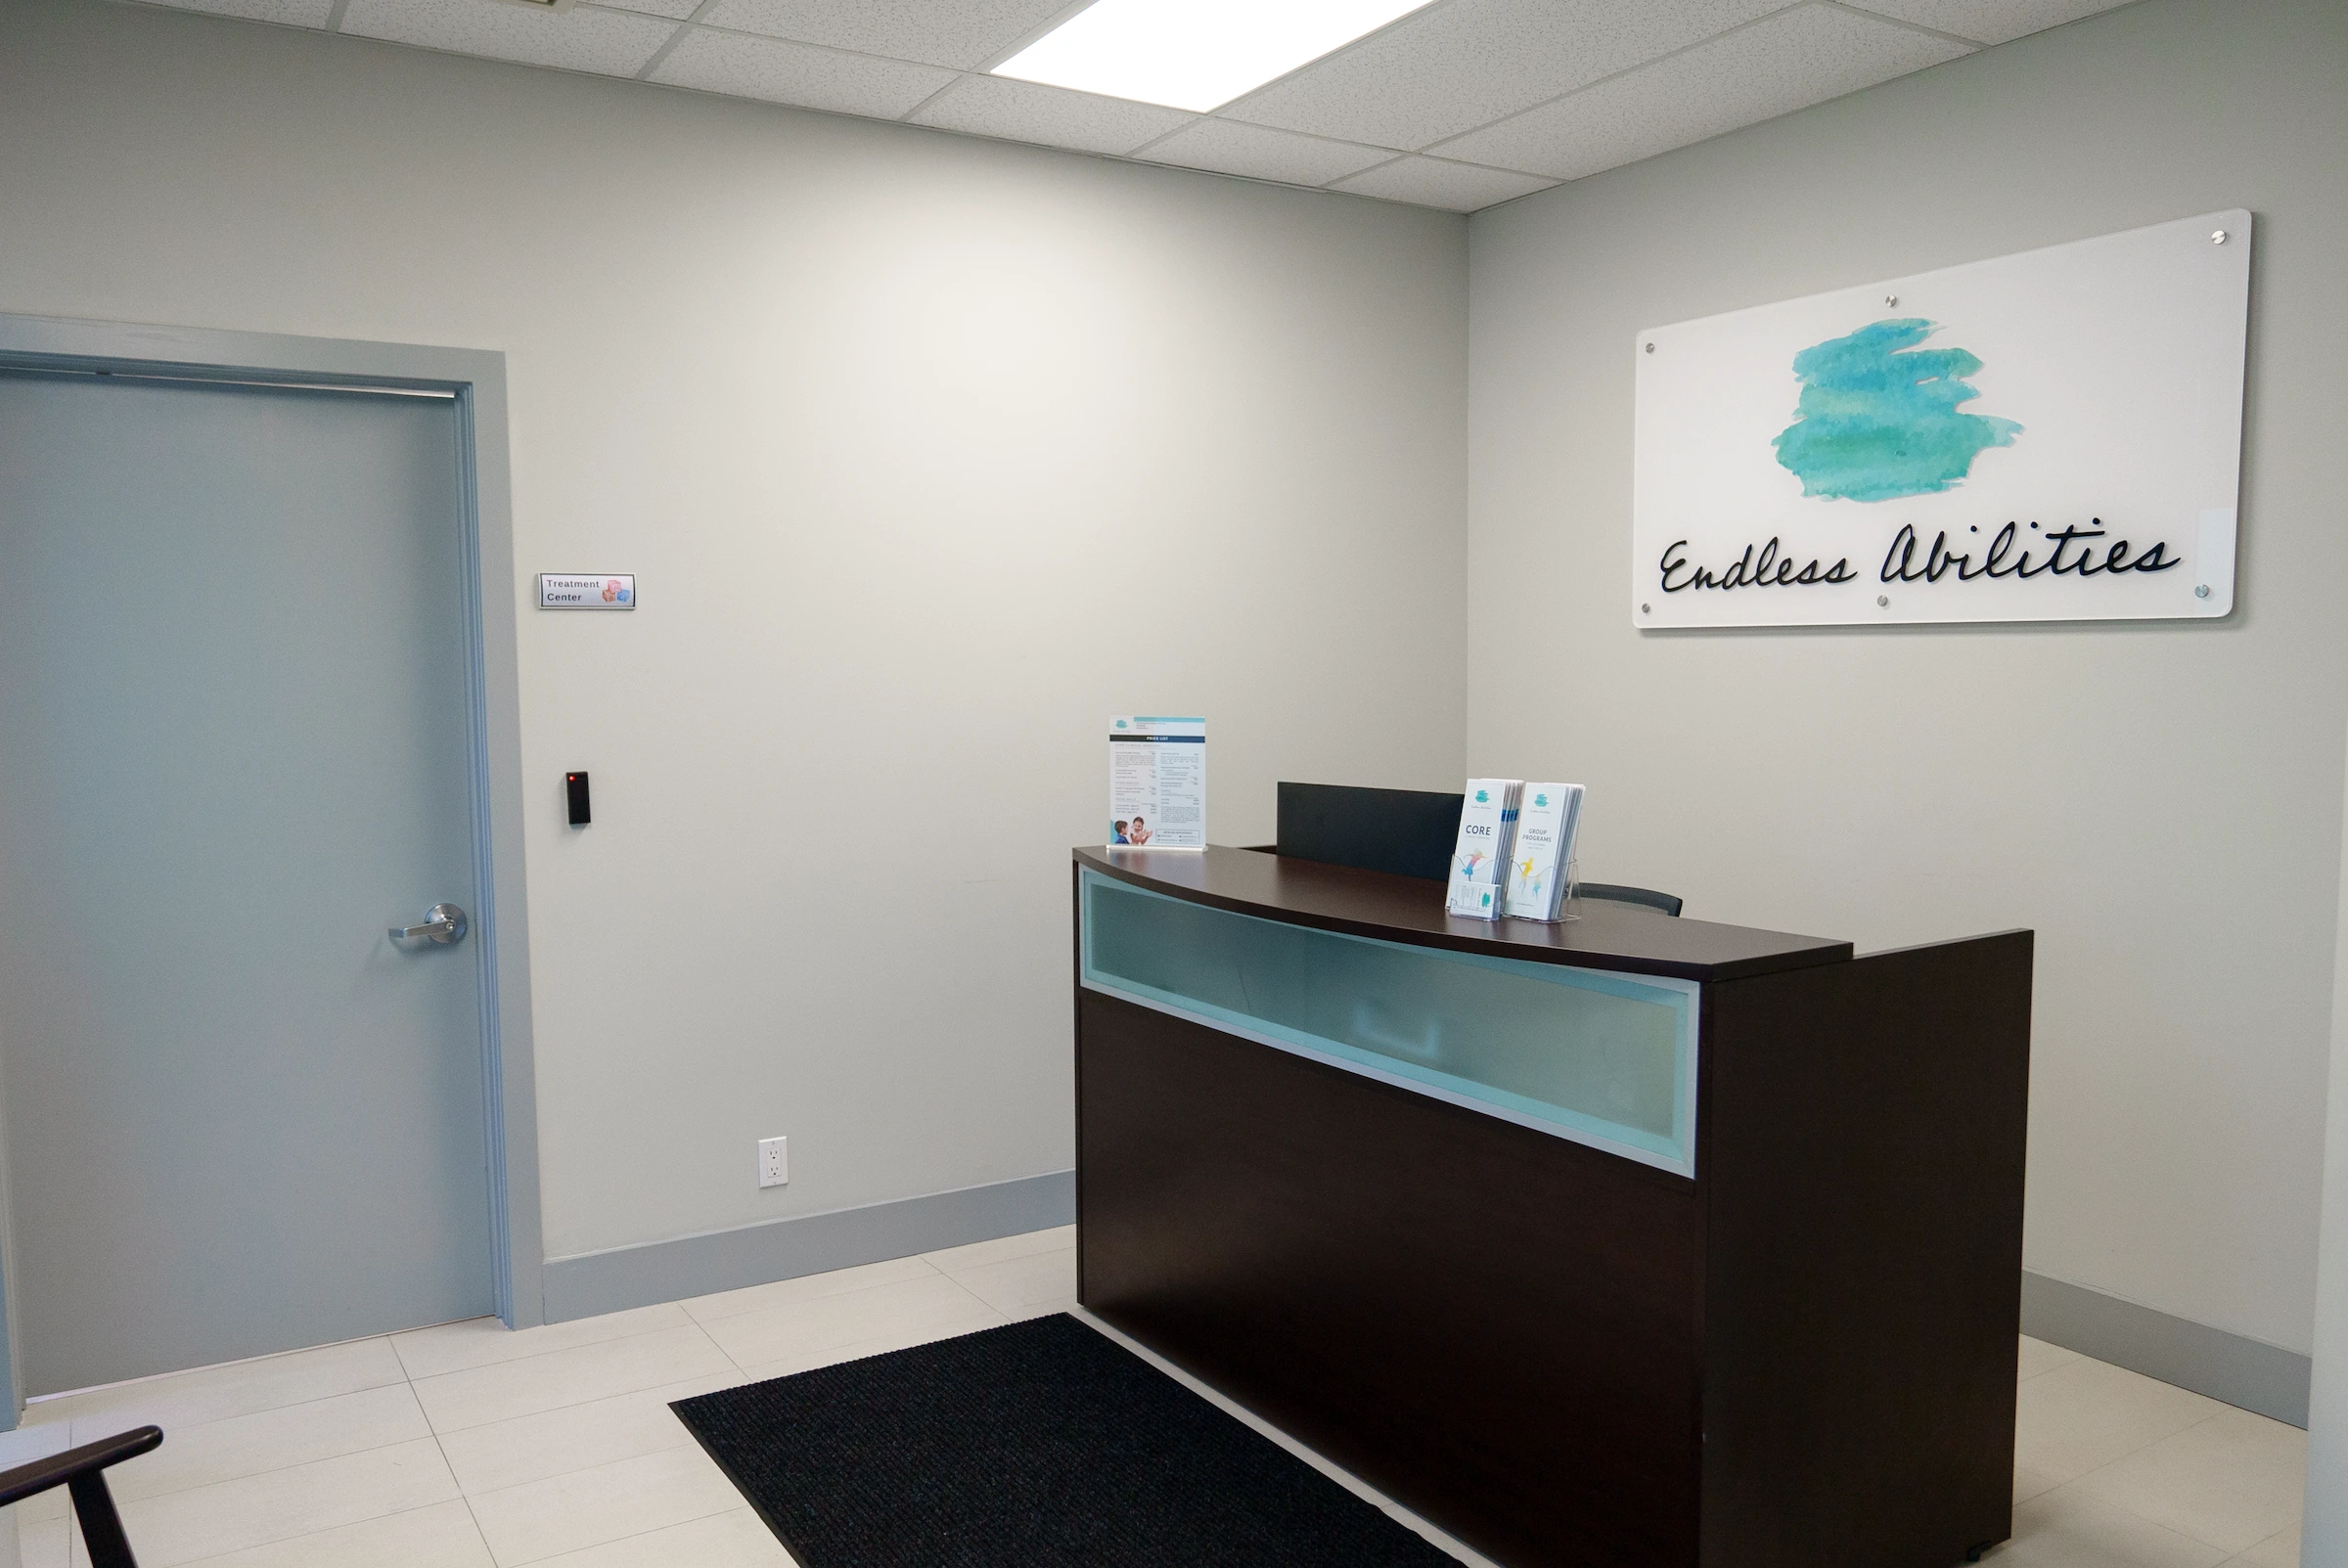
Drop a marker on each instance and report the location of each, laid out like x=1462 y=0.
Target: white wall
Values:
x=2323 y=1529
x=930 y=454
x=2160 y=802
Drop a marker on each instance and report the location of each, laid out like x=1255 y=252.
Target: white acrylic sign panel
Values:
x=2054 y=436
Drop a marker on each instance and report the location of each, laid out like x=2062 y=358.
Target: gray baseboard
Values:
x=2241 y=1372
x=590 y=1283
x=2245 y=1373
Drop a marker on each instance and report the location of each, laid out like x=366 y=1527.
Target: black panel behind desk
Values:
x=1407 y=833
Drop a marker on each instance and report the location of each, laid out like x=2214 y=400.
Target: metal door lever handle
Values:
x=443 y=922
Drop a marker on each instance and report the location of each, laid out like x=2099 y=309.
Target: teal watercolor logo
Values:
x=1877 y=418
x=1482 y=795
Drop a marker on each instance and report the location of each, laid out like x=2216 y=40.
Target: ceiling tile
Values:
x=797 y=73
x=1434 y=182
x=1989 y=21
x=676 y=10
x=293 y=13
x=1788 y=61
x=1030 y=111
x=1228 y=148
x=1453 y=67
x=612 y=42
x=963 y=34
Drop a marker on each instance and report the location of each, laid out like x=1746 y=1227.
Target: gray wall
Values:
x=2160 y=802
x=930 y=454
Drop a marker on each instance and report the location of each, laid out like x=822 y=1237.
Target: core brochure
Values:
x=1487 y=828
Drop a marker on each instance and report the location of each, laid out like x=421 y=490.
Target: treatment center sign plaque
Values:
x=2054 y=436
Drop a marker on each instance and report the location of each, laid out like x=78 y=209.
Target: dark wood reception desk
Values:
x=1631 y=1240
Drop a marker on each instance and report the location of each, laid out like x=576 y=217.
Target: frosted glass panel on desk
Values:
x=1604 y=1059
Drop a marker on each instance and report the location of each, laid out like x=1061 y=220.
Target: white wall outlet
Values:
x=774 y=1161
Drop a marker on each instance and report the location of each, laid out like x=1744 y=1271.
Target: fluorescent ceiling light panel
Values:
x=1194 y=54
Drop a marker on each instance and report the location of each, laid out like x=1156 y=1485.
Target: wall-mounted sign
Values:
x=2054 y=436
x=562 y=590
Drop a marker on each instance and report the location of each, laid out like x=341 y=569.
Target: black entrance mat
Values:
x=1039 y=1444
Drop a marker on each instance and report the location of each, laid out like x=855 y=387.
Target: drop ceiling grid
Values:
x=1459 y=104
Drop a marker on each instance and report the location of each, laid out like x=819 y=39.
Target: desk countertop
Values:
x=1622 y=937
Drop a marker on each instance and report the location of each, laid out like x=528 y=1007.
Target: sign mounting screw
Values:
x=1650 y=348
x=2217 y=237
x=1891 y=299
x=2201 y=590
x=1647 y=609
x=1883 y=600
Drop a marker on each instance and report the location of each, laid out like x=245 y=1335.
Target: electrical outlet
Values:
x=774 y=1161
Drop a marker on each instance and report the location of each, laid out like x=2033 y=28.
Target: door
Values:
x=240 y=1118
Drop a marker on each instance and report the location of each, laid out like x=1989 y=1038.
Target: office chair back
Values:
x=1668 y=903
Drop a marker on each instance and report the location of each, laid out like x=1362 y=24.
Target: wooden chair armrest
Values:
x=59 y=1470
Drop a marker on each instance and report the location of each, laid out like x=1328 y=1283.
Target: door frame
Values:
x=476 y=380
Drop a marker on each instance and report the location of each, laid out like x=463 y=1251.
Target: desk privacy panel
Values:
x=1603 y=1060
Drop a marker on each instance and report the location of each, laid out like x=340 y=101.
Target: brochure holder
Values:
x=1570 y=908
x=1473 y=901
x=1489 y=905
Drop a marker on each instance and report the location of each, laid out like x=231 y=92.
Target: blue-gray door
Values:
x=233 y=752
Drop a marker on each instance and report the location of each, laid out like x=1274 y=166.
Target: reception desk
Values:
x=1631 y=1240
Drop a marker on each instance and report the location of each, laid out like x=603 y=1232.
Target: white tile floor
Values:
x=466 y=1445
